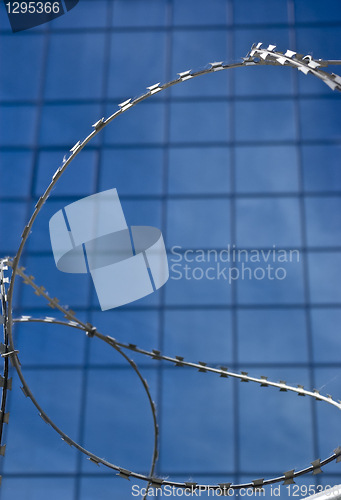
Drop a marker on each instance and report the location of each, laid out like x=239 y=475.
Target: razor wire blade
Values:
x=257 y=56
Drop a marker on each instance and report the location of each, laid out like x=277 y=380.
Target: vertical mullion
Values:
x=96 y=187
x=306 y=283
x=164 y=209
x=233 y=238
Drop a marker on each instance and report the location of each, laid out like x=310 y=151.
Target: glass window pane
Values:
x=21 y=61
x=321 y=166
x=268 y=336
x=262 y=12
x=265 y=121
x=137 y=13
x=314 y=113
x=15 y=173
x=325 y=275
x=323 y=221
x=266 y=169
x=199 y=122
x=199 y=170
x=200 y=13
x=17 y=125
x=75 y=49
x=132 y=171
x=263 y=222
x=146 y=66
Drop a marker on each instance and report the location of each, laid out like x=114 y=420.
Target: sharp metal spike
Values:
x=3 y=450
x=245 y=375
x=93 y=460
x=203 y=370
x=282 y=389
x=271 y=48
x=290 y=53
x=289 y=477
x=224 y=369
x=75 y=147
x=316 y=464
x=124 y=474
x=98 y=124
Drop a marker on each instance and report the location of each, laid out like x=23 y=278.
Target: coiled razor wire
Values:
x=256 y=57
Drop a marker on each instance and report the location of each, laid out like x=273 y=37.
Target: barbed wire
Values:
x=257 y=56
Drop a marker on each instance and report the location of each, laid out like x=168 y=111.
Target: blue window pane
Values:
x=199 y=335
x=326 y=340
x=142 y=212
x=108 y=406
x=15 y=173
x=283 y=421
x=269 y=282
x=308 y=11
x=146 y=66
x=265 y=11
x=33 y=488
x=198 y=223
x=197 y=283
x=245 y=38
x=132 y=171
x=136 y=327
x=60 y=399
x=83 y=80
x=263 y=80
x=265 y=222
x=12 y=223
x=323 y=221
x=266 y=169
x=184 y=435
x=315 y=112
x=199 y=170
x=200 y=13
x=186 y=56
x=325 y=275
x=87 y=14
x=199 y=122
x=321 y=166
x=143 y=124
x=17 y=125
x=137 y=13
x=21 y=60
x=78 y=179
x=265 y=120
x=321 y=42
x=65 y=125
x=268 y=336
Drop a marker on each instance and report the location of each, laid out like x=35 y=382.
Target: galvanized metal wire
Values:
x=256 y=57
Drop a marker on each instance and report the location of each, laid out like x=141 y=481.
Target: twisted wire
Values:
x=256 y=57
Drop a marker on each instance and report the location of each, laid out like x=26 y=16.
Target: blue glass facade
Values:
x=247 y=157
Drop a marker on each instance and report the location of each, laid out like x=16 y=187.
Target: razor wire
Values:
x=257 y=56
